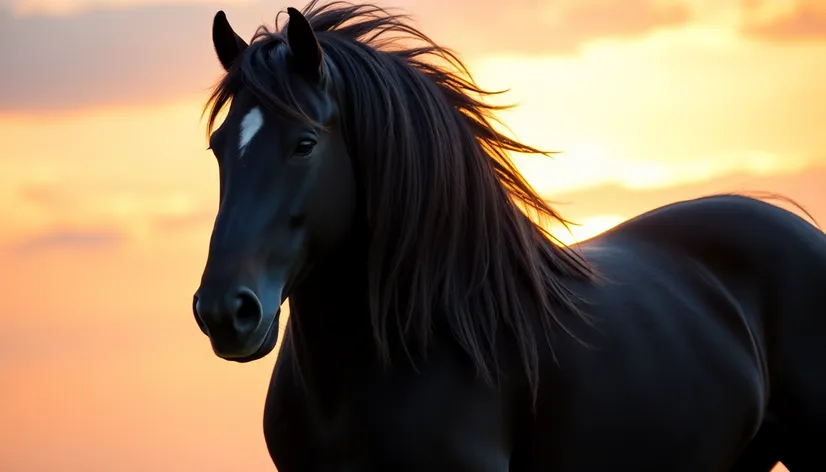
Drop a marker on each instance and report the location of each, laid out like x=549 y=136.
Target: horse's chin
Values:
x=267 y=345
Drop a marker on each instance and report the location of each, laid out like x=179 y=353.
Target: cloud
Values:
x=195 y=220
x=105 y=57
x=74 y=238
x=155 y=53
x=561 y=27
x=49 y=196
x=806 y=20
x=805 y=187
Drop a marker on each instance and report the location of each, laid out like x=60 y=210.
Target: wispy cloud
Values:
x=804 y=186
x=123 y=52
x=100 y=218
x=194 y=220
x=537 y=27
x=793 y=21
x=138 y=56
x=69 y=238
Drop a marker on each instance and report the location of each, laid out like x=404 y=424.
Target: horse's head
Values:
x=286 y=187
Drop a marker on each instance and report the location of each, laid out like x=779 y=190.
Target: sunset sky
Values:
x=107 y=192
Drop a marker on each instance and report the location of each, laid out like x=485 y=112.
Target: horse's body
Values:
x=710 y=328
x=434 y=327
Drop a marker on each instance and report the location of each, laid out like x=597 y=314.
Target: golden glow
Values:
x=586 y=229
x=107 y=211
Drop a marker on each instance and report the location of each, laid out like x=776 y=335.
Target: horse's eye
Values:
x=305 y=147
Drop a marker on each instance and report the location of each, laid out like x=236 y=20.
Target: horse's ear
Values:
x=303 y=44
x=228 y=45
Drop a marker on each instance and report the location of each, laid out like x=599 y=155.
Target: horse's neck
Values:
x=330 y=323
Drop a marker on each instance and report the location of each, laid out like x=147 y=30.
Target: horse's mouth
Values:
x=268 y=343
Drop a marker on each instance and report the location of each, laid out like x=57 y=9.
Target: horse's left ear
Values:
x=304 y=45
x=228 y=45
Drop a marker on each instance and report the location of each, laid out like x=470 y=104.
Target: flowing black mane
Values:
x=446 y=210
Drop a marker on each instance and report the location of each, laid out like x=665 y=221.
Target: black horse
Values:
x=436 y=326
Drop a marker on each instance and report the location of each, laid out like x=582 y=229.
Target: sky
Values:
x=107 y=192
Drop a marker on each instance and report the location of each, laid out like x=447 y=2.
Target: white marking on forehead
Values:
x=250 y=125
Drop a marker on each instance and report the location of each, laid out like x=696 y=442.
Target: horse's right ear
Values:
x=228 y=45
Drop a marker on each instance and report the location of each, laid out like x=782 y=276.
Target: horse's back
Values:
x=710 y=322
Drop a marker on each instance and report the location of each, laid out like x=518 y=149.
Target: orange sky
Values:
x=107 y=192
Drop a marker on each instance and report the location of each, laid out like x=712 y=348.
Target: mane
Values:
x=450 y=239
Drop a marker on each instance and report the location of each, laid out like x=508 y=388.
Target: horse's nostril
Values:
x=248 y=313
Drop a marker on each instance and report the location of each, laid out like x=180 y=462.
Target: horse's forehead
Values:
x=251 y=123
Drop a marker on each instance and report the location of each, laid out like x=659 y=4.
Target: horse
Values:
x=437 y=325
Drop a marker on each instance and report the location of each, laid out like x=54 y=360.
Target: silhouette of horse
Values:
x=436 y=326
